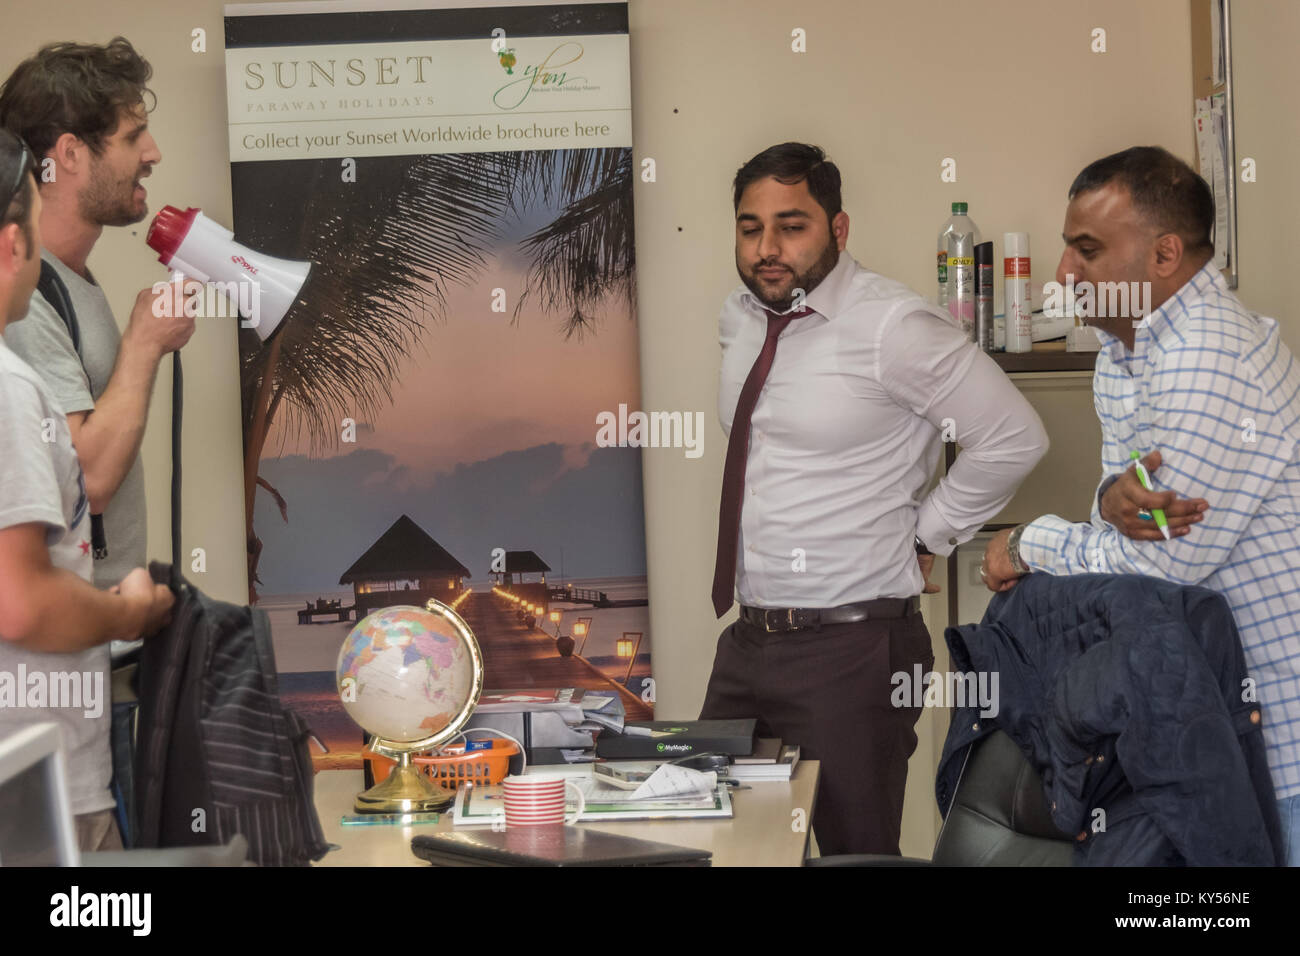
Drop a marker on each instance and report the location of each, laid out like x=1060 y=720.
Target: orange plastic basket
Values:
x=454 y=767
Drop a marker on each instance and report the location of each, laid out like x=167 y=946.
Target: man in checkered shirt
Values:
x=1210 y=395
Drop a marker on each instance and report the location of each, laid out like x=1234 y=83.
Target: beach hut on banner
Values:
x=404 y=566
x=517 y=565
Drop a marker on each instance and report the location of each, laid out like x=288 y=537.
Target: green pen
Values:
x=1143 y=477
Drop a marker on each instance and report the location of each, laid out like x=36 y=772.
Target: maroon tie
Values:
x=733 y=475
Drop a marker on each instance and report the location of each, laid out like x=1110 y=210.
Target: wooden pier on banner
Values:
x=518 y=656
x=324 y=608
x=571 y=595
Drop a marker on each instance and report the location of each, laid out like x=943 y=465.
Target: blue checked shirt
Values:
x=1212 y=387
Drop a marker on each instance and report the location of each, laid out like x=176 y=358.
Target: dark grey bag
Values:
x=217 y=754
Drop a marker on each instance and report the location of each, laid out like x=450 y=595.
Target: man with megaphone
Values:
x=83 y=110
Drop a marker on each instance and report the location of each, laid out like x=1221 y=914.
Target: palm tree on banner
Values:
x=383 y=259
x=587 y=253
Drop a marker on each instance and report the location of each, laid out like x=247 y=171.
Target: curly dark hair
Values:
x=78 y=88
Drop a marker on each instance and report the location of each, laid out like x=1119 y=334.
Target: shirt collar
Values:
x=826 y=299
x=1165 y=322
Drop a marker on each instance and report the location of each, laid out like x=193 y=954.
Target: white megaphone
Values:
x=262 y=287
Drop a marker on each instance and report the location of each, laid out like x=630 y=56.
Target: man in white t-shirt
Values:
x=54 y=625
x=83 y=109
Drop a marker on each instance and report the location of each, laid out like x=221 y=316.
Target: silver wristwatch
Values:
x=1013 y=550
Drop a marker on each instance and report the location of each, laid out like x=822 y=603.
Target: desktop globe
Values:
x=410 y=677
x=404 y=673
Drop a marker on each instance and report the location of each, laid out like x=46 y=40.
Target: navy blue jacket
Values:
x=1126 y=694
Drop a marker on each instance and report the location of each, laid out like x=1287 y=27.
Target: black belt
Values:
x=796 y=618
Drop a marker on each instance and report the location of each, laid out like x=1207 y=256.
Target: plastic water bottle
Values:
x=955 y=258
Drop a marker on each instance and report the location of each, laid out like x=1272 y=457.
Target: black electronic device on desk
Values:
x=667 y=739
x=554 y=845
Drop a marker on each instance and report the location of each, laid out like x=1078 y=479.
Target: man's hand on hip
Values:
x=1123 y=501
x=926 y=561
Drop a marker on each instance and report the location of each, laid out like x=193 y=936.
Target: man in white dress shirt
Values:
x=838 y=387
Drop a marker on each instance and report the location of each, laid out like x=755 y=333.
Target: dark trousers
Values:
x=828 y=691
x=122 y=785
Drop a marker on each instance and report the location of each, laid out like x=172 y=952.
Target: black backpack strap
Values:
x=56 y=294
x=51 y=287
x=178 y=404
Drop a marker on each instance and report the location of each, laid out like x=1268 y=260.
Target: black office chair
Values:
x=998 y=817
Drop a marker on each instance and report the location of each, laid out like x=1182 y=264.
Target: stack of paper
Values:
x=602 y=710
x=771 y=760
x=668 y=787
x=671 y=792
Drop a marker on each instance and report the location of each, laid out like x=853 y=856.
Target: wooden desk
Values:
x=760 y=834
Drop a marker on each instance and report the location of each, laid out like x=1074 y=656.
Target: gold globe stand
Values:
x=404 y=790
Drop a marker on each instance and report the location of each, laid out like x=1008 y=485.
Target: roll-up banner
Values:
x=450 y=409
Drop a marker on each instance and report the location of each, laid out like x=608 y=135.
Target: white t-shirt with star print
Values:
x=41 y=482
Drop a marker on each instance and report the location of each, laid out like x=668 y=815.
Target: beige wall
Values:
x=1265 y=37
x=1027 y=107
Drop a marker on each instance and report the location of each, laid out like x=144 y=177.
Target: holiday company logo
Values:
x=549 y=76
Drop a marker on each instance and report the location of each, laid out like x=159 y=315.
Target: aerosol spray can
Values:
x=984 y=296
x=1016 y=304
